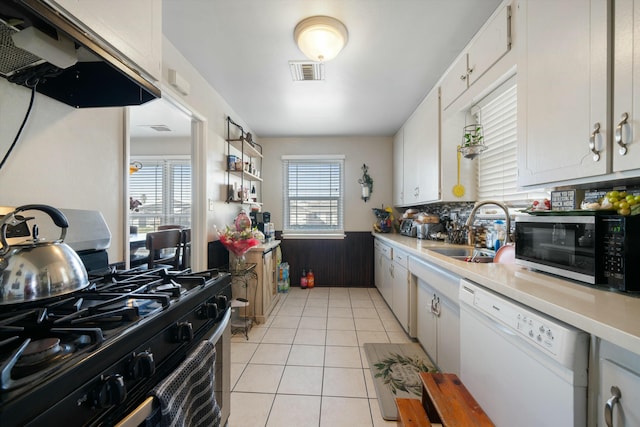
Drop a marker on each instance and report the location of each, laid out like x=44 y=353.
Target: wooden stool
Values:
x=411 y=413
x=445 y=400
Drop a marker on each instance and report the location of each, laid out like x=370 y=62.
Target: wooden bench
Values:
x=445 y=400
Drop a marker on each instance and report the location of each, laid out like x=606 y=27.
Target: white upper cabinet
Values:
x=562 y=90
x=398 y=168
x=133 y=28
x=455 y=82
x=421 y=153
x=490 y=44
x=626 y=86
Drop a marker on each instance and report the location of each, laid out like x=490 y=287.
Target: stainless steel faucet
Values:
x=472 y=216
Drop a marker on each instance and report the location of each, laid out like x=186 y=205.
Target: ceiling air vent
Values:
x=306 y=71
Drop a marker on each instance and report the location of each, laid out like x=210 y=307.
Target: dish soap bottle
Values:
x=303 y=279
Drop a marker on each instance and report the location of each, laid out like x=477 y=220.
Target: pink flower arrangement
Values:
x=238 y=242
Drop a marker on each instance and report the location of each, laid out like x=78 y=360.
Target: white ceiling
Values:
x=396 y=52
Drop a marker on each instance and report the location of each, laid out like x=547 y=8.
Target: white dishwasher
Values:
x=524 y=368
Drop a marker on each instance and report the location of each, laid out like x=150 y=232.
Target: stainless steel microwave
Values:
x=603 y=250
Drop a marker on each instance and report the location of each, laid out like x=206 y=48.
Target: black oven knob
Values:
x=141 y=366
x=210 y=310
x=184 y=332
x=111 y=391
x=222 y=302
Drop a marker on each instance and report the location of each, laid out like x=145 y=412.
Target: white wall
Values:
x=375 y=152
x=163 y=146
x=207 y=102
x=66 y=157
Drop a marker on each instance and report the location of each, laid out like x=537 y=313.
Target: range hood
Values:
x=38 y=44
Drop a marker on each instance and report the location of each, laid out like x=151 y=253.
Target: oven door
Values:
x=561 y=245
x=220 y=336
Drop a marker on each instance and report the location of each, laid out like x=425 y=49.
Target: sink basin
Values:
x=479 y=258
x=454 y=252
x=462 y=254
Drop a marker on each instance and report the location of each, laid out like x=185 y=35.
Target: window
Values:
x=498 y=165
x=313 y=196
x=163 y=187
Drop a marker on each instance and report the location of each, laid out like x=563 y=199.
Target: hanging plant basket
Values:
x=472 y=141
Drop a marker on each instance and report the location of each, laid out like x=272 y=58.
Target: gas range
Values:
x=91 y=357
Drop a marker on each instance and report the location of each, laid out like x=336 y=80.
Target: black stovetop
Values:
x=59 y=346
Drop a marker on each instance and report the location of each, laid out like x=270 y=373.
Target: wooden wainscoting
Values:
x=347 y=262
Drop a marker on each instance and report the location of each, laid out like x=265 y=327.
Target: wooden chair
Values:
x=185 y=246
x=164 y=248
x=170 y=227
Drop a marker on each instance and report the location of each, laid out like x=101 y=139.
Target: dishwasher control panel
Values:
x=555 y=337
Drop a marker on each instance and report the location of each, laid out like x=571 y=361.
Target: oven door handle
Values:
x=220 y=327
x=139 y=415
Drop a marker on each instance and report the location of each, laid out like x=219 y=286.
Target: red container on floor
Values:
x=311 y=280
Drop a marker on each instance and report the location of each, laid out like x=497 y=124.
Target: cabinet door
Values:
x=562 y=89
x=400 y=282
x=426 y=321
x=455 y=82
x=377 y=268
x=448 y=336
x=626 y=86
x=625 y=411
x=422 y=152
x=491 y=44
x=134 y=28
x=398 y=168
x=268 y=285
x=387 y=285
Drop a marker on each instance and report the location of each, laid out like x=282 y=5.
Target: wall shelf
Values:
x=245 y=176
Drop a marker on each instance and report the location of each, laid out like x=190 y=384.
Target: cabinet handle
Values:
x=618 y=135
x=463 y=77
x=608 y=407
x=470 y=70
x=592 y=142
x=391 y=270
x=437 y=307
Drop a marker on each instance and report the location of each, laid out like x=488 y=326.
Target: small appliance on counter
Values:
x=429 y=231
x=593 y=247
x=408 y=228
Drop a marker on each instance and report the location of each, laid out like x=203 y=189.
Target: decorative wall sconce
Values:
x=366 y=183
x=134 y=167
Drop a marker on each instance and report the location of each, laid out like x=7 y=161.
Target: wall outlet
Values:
x=211 y=205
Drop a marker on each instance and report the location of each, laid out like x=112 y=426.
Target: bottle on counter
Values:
x=311 y=280
x=303 y=279
x=498 y=234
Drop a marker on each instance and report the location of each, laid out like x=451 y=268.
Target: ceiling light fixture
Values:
x=320 y=38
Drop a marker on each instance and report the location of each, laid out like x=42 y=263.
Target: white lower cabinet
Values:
x=619 y=387
x=438 y=314
x=382 y=270
x=400 y=288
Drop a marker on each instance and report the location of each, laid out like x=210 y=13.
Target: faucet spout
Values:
x=478 y=205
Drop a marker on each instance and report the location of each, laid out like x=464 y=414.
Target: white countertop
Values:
x=612 y=316
x=266 y=246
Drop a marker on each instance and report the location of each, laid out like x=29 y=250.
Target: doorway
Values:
x=163 y=176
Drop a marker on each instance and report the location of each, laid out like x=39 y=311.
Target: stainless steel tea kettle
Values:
x=37 y=269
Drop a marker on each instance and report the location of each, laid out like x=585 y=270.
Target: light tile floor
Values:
x=306 y=366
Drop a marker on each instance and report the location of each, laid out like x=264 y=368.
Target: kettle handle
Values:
x=56 y=216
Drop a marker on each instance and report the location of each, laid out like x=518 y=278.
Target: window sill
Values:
x=326 y=236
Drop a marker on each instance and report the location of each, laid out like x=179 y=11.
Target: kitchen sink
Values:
x=463 y=253
x=453 y=252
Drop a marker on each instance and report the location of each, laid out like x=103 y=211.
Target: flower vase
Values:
x=240 y=263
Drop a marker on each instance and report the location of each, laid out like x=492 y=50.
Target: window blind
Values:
x=313 y=195
x=163 y=187
x=498 y=165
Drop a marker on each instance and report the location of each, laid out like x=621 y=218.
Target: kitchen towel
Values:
x=187 y=396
